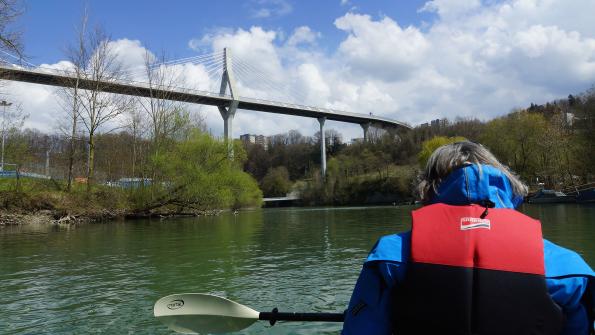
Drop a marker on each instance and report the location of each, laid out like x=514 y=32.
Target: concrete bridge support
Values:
x=366 y=127
x=228 y=112
x=322 y=148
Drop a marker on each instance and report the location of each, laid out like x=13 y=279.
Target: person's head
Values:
x=451 y=156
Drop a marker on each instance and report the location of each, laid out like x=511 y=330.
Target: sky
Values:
x=412 y=61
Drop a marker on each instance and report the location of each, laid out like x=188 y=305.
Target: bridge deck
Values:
x=195 y=96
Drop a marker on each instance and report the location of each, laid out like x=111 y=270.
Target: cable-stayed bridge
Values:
x=241 y=85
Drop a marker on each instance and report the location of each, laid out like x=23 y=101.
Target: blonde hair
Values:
x=451 y=156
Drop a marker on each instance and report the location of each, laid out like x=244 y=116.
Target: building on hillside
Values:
x=255 y=139
x=262 y=140
x=438 y=123
x=435 y=124
x=247 y=138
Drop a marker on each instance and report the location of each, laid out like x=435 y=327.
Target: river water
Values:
x=105 y=278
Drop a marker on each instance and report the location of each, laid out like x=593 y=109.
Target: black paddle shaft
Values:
x=275 y=316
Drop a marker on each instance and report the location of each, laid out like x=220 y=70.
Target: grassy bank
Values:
x=192 y=175
x=47 y=201
x=183 y=187
x=28 y=198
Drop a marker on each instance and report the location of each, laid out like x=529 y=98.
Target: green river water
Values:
x=105 y=278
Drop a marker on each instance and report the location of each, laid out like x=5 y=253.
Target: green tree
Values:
x=584 y=135
x=276 y=182
x=518 y=141
x=258 y=162
x=197 y=175
x=429 y=146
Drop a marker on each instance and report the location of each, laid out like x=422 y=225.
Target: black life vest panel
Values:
x=475 y=274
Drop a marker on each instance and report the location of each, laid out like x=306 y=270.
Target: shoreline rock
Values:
x=15 y=219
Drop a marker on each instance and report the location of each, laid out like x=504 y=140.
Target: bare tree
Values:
x=70 y=94
x=294 y=137
x=10 y=39
x=166 y=117
x=375 y=134
x=100 y=67
x=135 y=125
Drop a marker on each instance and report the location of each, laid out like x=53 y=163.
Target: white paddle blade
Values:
x=196 y=313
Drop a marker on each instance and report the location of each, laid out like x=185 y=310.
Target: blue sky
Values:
x=412 y=61
x=169 y=25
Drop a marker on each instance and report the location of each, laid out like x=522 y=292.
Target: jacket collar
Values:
x=477 y=184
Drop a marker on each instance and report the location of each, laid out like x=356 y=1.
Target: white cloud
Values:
x=381 y=48
x=312 y=82
x=270 y=8
x=303 y=35
x=254 y=46
x=549 y=54
x=39 y=102
x=262 y=13
x=130 y=53
x=451 y=9
x=474 y=59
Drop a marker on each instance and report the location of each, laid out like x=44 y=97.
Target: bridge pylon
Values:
x=228 y=112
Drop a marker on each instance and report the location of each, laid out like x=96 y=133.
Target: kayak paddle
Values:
x=193 y=313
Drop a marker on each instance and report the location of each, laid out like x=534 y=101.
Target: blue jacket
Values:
x=370 y=307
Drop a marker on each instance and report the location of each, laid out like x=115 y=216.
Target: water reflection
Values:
x=106 y=277
x=570 y=225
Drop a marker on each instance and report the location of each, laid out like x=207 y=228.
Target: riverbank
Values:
x=47 y=202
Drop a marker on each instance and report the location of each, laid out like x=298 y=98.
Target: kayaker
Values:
x=471 y=264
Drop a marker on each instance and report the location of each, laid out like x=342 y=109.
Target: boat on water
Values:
x=544 y=196
x=586 y=195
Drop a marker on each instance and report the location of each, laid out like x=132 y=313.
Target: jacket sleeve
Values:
x=568 y=294
x=370 y=309
x=568 y=278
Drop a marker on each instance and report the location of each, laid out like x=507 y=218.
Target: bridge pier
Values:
x=321 y=120
x=366 y=127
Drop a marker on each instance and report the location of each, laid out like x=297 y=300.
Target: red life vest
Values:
x=472 y=273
